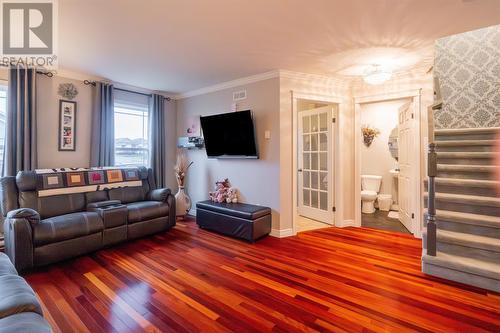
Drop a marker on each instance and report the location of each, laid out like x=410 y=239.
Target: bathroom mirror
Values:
x=393 y=143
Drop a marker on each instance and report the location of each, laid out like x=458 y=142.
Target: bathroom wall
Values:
x=377 y=159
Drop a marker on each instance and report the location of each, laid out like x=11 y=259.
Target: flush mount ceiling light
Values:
x=376 y=75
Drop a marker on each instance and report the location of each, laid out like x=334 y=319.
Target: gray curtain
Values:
x=102 y=142
x=20 y=151
x=157 y=138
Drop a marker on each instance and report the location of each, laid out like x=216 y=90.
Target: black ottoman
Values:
x=238 y=220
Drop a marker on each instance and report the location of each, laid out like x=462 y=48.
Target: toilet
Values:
x=370 y=185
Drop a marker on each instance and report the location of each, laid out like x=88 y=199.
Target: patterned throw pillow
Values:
x=52 y=181
x=75 y=178
x=114 y=176
x=96 y=177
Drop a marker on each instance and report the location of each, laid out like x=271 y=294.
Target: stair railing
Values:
x=431 y=240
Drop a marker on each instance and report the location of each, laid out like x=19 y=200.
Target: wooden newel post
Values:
x=431 y=214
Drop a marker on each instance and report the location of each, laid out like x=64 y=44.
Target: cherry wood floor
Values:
x=327 y=280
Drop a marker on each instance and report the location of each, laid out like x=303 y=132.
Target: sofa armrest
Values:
x=160 y=194
x=29 y=214
x=103 y=204
x=18 y=237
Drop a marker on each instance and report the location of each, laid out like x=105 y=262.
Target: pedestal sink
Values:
x=395 y=174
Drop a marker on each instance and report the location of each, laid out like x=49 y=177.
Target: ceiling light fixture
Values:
x=376 y=75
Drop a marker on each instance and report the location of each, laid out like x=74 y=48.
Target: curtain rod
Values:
x=93 y=83
x=46 y=73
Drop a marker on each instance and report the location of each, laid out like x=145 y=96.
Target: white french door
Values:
x=407 y=192
x=315 y=164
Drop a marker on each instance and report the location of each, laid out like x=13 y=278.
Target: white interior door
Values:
x=407 y=194
x=315 y=164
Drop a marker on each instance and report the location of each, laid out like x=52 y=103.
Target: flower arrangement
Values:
x=181 y=167
x=369 y=134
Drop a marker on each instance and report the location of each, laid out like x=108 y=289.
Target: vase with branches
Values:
x=182 y=200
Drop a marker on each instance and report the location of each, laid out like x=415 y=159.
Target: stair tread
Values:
x=454 y=131
x=467 y=218
x=465 y=167
x=464 y=264
x=447 y=143
x=465 y=154
x=467 y=198
x=469 y=240
x=465 y=182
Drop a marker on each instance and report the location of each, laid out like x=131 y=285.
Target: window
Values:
x=131 y=134
x=3 y=120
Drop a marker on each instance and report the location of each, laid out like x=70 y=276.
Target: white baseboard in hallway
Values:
x=348 y=223
x=281 y=233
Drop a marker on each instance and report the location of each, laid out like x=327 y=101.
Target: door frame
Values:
x=416 y=96
x=337 y=171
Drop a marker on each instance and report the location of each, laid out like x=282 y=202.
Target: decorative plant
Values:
x=369 y=134
x=67 y=90
x=181 y=167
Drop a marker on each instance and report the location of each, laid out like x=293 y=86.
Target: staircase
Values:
x=467 y=204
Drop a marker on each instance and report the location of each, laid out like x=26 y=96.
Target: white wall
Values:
x=377 y=159
x=257 y=180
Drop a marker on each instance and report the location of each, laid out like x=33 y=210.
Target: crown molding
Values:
x=292 y=75
x=229 y=84
x=325 y=80
x=79 y=76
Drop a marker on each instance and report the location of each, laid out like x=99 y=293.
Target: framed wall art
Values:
x=67 y=125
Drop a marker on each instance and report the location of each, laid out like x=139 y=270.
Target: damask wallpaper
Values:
x=468 y=68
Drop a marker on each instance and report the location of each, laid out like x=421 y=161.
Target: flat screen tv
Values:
x=229 y=135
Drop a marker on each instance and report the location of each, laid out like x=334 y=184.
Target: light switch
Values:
x=267 y=135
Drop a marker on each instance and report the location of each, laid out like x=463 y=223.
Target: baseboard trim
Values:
x=281 y=233
x=347 y=223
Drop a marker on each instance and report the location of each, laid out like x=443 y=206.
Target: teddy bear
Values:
x=232 y=195
x=220 y=193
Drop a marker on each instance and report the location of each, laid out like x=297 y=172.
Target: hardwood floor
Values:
x=328 y=280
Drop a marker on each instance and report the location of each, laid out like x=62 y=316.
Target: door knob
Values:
x=300 y=170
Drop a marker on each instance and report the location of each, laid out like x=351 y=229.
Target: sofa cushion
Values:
x=69 y=226
x=52 y=205
x=6 y=266
x=17 y=296
x=146 y=210
x=27 y=322
x=96 y=196
x=127 y=194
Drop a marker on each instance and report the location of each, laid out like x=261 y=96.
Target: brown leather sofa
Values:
x=43 y=230
x=19 y=307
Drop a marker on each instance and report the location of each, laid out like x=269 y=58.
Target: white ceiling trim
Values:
x=230 y=84
x=323 y=79
x=303 y=77
x=68 y=74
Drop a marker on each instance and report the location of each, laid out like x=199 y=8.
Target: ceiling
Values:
x=181 y=45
